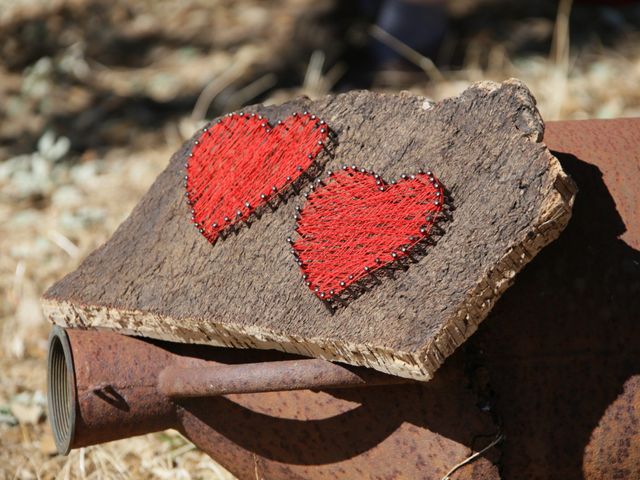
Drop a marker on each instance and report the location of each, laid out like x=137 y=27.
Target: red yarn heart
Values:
x=241 y=162
x=356 y=224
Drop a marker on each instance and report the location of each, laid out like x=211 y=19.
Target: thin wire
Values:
x=241 y=162
x=356 y=224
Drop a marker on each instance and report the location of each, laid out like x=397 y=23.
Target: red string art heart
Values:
x=356 y=224
x=241 y=163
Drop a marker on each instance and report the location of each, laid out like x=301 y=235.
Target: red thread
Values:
x=356 y=224
x=241 y=162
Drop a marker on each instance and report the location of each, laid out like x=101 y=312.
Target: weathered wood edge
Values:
x=553 y=217
x=551 y=220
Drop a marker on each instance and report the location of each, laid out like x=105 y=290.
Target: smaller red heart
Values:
x=357 y=223
x=241 y=162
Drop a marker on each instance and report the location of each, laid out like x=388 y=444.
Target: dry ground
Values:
x=96 y=96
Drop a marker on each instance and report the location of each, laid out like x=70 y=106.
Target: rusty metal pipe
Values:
x=104 y=386
x=101 y=388
x=288 y=375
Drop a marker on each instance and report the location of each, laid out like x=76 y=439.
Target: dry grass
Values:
x=56 y=206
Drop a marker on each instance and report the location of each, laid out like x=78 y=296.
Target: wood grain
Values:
x=158 y=277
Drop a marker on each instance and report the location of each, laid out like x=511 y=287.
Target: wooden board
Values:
x=158 y=277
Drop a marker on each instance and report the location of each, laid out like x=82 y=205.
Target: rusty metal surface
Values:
x=614 y=449
x=404 y=431
x=412 y=431
x=562 y=346
x=386 y=432
x=284 y=375
x=115 y=387
x=614 y=147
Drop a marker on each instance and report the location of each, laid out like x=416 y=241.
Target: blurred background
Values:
x=96 y=95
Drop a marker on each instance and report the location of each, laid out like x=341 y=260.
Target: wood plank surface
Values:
x=158 y=277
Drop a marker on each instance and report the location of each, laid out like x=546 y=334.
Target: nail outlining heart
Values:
x=356 y=224
x=241 y=162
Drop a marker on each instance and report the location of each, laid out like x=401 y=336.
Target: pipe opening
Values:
x=61 y=390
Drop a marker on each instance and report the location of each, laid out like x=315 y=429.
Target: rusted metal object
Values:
x=613 y=146
x=113 y=384
x=98 y=366
x=284 y=375
x=614 y=448
x=558 y=359
x=561 y=347
x=105 y=386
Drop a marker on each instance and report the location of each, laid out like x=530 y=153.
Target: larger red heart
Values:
x=241 y=162
x=356 y=224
